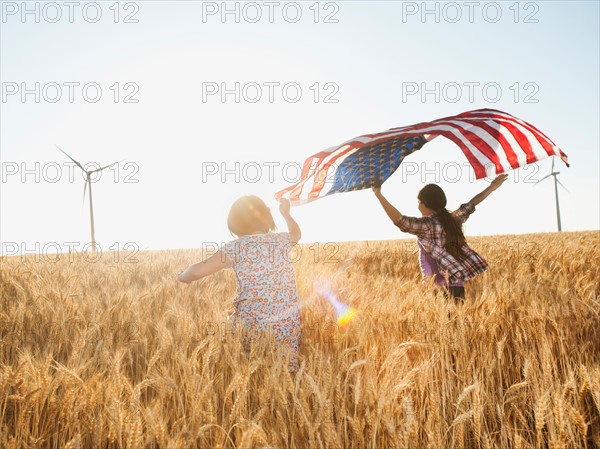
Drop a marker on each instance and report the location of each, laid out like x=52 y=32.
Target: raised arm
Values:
x=199 y=270
x=390 y=210
x=497 y=182
x=412 y=225
x=293 y=228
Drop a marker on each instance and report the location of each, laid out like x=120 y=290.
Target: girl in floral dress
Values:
x=267 y=296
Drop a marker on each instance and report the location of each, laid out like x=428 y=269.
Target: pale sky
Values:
x=348 y=68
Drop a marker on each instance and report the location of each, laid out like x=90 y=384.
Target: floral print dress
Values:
x=267 y=295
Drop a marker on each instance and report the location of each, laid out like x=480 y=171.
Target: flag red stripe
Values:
x=323 y=173
x=475 y=140
x=477 y=166
x=496 y=134
x=522 y=140
x=547 y=144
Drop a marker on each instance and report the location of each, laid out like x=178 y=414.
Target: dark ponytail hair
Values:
x=434 y=198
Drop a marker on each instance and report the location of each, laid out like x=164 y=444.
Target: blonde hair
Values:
x=250 y=215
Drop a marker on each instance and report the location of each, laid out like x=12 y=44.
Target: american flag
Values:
x=493 y=142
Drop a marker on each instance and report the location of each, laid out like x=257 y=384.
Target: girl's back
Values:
x=267 y=297
x=266 y=281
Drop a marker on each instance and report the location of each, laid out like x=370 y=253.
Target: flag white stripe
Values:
x=489 y=139
x=503 y=117
x=330 y=176
x=519 y=152
x=536 y=147
x=309 y=183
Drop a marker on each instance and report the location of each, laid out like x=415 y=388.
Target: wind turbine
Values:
x=88 y=174
x=556 y=182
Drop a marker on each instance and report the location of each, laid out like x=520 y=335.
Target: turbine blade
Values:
x=561 y=184
x=76 y=163
x=553 y=163
x=106 y=166
x=547 y=176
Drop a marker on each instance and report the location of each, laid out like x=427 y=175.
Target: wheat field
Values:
x=115 y=353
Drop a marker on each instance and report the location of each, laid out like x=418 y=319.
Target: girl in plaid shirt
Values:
x=443 y=249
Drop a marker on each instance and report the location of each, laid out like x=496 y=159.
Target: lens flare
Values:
x=344 y=314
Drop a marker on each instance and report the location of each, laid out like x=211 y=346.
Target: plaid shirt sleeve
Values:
x=412 y=225
x=463 y=212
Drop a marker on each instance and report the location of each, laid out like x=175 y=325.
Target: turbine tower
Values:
x=556 y=182
x=88 y=174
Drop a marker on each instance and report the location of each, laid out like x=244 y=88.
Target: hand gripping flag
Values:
x=493 y=142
